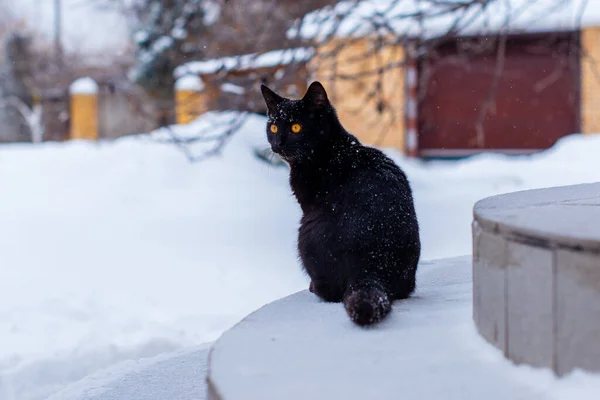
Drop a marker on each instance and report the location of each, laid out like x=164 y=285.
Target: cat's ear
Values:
x=271 y=98
x=316 y=96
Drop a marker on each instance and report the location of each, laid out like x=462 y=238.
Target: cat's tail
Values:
x=367 y=302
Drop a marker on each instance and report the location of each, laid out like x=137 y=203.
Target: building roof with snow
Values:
x=247 y=61
x=430 y=18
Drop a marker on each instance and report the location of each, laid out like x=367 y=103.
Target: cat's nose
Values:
x=278 y=144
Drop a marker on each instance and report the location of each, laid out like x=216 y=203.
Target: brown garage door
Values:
x=535 y=101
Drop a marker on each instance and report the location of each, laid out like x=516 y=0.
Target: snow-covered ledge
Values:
x=536 y=282
x=301 y=348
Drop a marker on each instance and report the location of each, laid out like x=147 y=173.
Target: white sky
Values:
x=86 y=27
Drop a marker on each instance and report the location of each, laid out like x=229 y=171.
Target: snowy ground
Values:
x=120 y=251
x=178 y=375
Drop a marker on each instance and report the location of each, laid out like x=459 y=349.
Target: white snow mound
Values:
x=84 y=86
x=116 y=251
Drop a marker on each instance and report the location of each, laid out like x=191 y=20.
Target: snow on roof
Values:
x=247 y=61
x=84 y=86
x=429 y=18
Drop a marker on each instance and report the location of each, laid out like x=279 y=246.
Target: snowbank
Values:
x=176 y=376
x=123 y=250
x=302 y=348
x=445 y=191
x=349 y=18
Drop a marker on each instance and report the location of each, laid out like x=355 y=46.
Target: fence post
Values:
x=84 y=109
x=189 y=103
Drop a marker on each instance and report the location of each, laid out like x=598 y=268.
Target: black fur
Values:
x=359 y=236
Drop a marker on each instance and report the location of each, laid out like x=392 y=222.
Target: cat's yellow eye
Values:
x=296 y=128
x=274 y=128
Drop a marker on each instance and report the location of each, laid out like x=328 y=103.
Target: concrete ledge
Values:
x=536 y=287
x=302 y=348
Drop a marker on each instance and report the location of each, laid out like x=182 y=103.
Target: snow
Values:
x=247 y=61
x=174 y=376
x=84 y=86
x=427 y=348
x=351 y=18
x=125 y=250
x=445 y=192
x=212 y=12
x=190 y=82
x=231 y=88
x=162 y=43
x=116 y=251
x=140 y=36
x=179 y=32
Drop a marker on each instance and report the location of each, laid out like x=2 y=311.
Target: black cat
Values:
x=359 y=236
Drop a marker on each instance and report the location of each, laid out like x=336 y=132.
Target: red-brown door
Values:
x=534 y=102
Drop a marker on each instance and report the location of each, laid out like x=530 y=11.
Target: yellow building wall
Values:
x=352 y=94
x=189 y=105
x=590 y=80
x=84 y=116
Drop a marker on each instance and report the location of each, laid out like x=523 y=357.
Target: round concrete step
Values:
x=536 y=276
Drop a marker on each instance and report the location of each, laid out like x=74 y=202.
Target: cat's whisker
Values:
x=271 y=158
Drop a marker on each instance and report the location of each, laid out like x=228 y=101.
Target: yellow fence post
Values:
x=590 y=82
x=189 y=103
x=84 y=109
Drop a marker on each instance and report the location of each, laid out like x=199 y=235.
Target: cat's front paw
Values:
x=311 y=287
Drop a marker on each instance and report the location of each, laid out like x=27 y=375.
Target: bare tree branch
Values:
x=421 y=25
x=32 y=117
